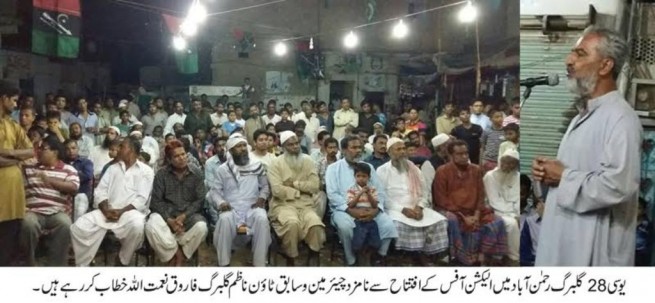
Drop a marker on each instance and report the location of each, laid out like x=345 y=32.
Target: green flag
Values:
x=187 y=61
x=56 y=28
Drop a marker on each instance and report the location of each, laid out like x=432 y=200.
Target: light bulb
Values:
x=468 y=13
x=280 y=49
x=179 y=43
x=400 y=30
x=311 y=43
x=197 y=12
x=189 y=28
x=351 y=40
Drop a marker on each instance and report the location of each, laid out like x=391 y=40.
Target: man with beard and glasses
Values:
x=502 y=186
x=420 y=229
x=474 y=232
x=296 y=209
x=239 y=192
x=593 y=185
x=211 y=166
x=100 y=154
x=84 y=143
x=176 y=227
x=339 y=177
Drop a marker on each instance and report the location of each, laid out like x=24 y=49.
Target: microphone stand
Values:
x=526 y=95
x=537 y=188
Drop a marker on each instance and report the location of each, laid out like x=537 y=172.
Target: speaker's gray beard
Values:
x=583 y=88
x=400 y=164
x=293 y=161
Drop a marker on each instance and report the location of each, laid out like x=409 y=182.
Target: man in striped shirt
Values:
x=49 y=187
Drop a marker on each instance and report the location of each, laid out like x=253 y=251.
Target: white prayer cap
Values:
x=440 y=139
x=511 y=153
x=393 y=141
x=236 y=135
x=378 y=123
x=136 y=132
x=122 y=103
x=118 y=131
x=137 y=123
x=286 y=135
x=234 y=141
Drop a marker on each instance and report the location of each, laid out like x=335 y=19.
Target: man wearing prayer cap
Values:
x=239 y=192
x=123 y=106
x=502 y=186
x=420 y=229
x=439 y=157
x=148 y=143
x=293 y=210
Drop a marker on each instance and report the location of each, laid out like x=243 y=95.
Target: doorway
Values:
x=340 y=90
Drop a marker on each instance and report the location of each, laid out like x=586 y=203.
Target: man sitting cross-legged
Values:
x=420 y=228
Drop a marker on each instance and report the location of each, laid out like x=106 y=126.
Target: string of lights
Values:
x=197 y=14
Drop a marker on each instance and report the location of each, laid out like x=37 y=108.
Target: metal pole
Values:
x=478 y=71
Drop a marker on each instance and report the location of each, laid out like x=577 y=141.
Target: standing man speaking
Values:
x=591 y=208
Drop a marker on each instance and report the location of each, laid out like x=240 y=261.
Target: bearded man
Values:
x=293 y=210
x=502 y=186
x=591 y=207
x=420 y=228
x=84 y=143
x=239 y=192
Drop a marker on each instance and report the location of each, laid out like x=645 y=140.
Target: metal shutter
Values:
x=544 y=115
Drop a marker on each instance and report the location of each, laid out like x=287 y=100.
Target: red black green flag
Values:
x=56 y=28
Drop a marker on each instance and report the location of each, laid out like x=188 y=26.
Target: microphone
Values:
x=550 y=80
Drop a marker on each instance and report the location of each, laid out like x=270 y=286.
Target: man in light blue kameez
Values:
x=339 y=177
x=591 y=207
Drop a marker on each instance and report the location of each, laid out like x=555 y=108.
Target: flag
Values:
x=186 y=60
x=56 y=28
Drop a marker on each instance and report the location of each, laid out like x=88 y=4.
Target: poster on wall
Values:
x=278 y=82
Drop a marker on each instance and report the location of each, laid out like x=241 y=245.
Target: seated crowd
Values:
x=171 y=178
